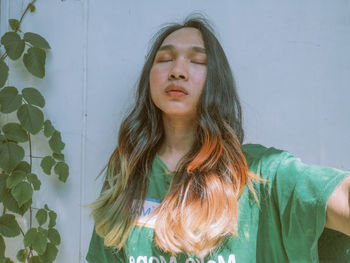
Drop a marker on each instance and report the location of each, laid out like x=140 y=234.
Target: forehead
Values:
x=184 y=37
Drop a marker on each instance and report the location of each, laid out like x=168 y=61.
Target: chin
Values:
x=179 y=114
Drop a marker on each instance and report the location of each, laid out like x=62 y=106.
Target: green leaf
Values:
x=35 y=259
x=36 y=40
x=4 y=73
x=46 y=164
x=24 y=208
x=41 y=216
x=23 y=192
x=23 y=166
x=10 y=155
x=15 y=178
x=11 y=204
x=34 y=60
x=7 y=260
x=46 y=207
x=14 y=24
x=35 y=239
x=10 y=100
x=58 y=156
x=9 y=226
x=53 y=217
x=31 y=7
x=31 y=118
x=48 y=128
x=62 y=170
x=2 y=139
x=42 y=230
x=21 y=255
x=3 y=190
x=56 y=143
x=50 y=254
x=54 y=236
x=14 y=45
x=33 y=96
x=33 y=179
x=29 y=237
x=14 y=131
x=2 y=248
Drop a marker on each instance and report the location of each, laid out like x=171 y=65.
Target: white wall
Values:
x=291 y=61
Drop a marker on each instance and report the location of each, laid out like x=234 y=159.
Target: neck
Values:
x=179 y=136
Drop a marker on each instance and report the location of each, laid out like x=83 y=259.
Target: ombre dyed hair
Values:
x=200 y=208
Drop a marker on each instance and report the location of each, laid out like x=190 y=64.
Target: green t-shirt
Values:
x=286 y=228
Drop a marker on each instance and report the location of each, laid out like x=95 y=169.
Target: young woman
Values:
x=181 y=187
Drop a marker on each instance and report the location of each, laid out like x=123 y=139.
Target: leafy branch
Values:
x=17 y=181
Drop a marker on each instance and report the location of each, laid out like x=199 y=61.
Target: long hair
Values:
x=201 y=206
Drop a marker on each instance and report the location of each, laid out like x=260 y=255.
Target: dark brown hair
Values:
x=201 y=205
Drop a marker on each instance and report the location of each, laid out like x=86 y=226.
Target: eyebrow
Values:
x=194 y=48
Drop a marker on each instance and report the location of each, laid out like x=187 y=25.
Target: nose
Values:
x=178 y=70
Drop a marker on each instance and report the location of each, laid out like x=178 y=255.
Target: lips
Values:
x=175 y=88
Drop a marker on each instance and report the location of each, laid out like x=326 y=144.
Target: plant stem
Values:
x=30 y=142
x=30 y=151
x=30 y=161
x=19 y=25
x=31 y=216
x=28 y=258
x=4 y=56
x=21 y=231
x=20 y=21
x=30 y=254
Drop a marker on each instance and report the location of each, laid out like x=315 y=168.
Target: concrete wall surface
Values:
x=290 y=59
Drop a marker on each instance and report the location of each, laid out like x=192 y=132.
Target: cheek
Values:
x=200 y=80
x=156 y=76
x=204 y=75
x=155 y=85
x=152 y=76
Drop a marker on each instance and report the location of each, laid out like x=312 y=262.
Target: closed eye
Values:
x=164 y=60
x=197 y=62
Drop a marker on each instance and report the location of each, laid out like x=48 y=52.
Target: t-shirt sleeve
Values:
x=301 y=193
x=99 y=253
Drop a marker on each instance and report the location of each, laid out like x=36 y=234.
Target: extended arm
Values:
x=338 y=208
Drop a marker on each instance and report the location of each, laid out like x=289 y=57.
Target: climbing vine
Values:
x=18 y=183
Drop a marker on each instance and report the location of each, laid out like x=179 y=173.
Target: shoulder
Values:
x=258 y=151
x=264 y=160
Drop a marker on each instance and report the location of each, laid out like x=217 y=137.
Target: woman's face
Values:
x=179 y=72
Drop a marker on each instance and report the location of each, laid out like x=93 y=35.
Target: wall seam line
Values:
x=84 y=123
